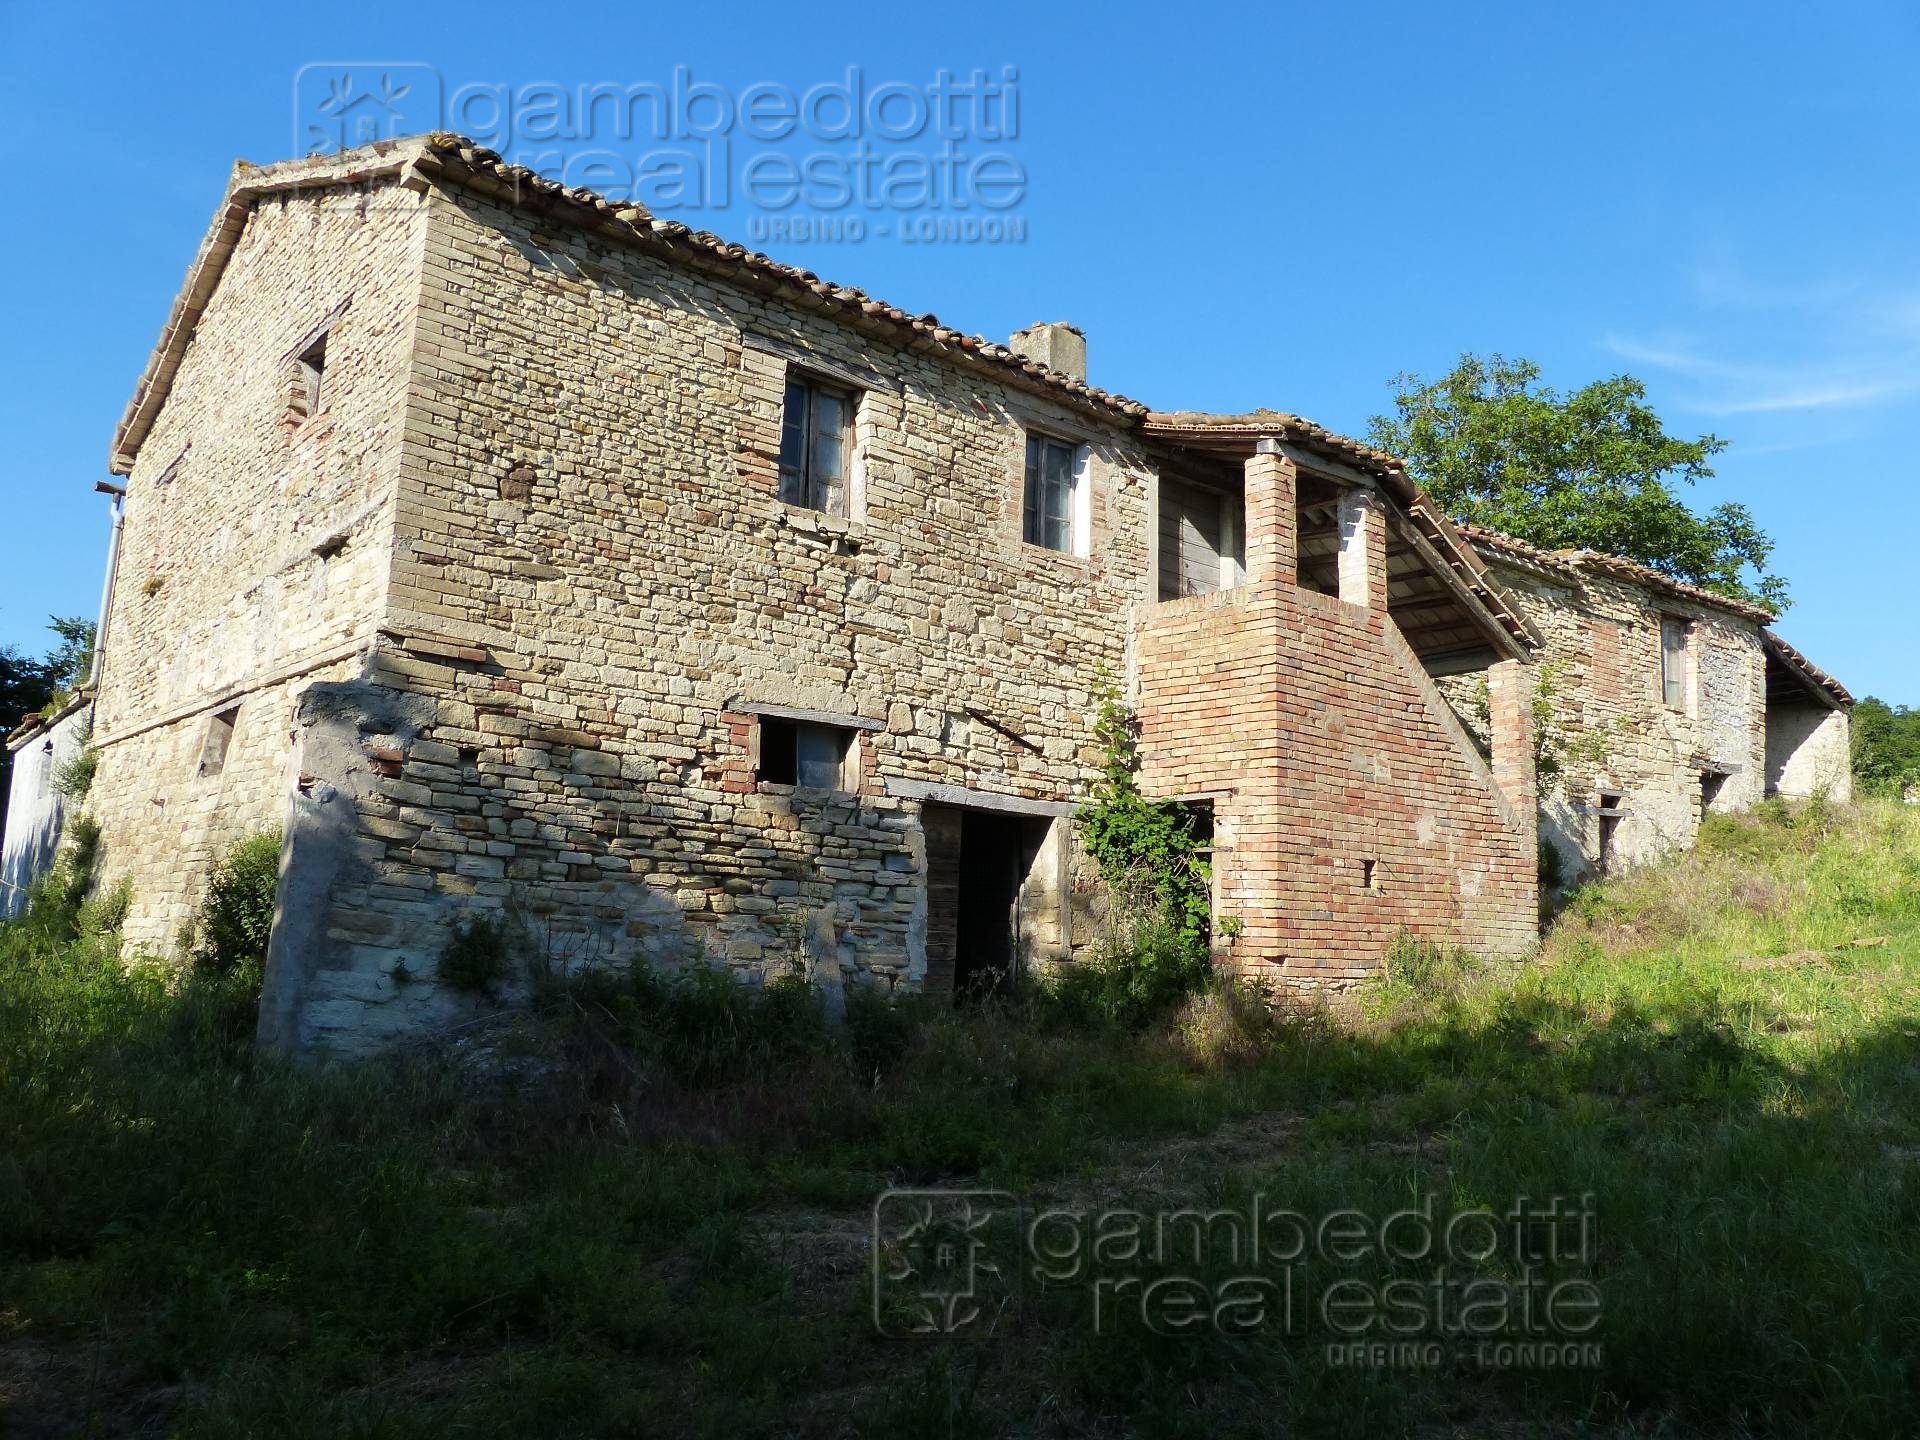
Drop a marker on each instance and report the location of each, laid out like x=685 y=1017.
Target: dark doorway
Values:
x=1712 y=782
x=977 y=863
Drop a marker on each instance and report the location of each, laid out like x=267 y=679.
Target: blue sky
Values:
x=1281 y=210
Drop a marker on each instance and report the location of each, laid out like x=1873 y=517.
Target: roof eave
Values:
x=1241 y=436
x=1817 y=681
x=246 y=184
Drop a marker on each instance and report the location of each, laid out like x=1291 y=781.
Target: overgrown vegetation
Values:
x=643 y=1208
x=73 y=777
x=1886 y=747
x=1158 y=873
x=235 y=921
x=58 y=902
x=1558 y=742
x=477 y=953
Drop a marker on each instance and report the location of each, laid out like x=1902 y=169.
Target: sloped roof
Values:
x=1444 y=543
x=1805 y=670
x=34 y=724
x=464 y=161
x=1278 y=425
x=1616 y=566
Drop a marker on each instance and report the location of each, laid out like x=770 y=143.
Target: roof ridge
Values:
x=670 y=234
x=1575 y=558
x=442 y=150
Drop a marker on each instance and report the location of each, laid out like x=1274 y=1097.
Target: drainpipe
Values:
x=119 y=494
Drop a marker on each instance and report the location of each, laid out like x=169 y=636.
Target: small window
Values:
x=313 y=368
x=1370 y=875
x=213 y=750
x=1712 y=782
x=816 y=431
x=1612 y=809
x=1054 y=505
x=1673 y=661
x=306 y=380
x=814 y=757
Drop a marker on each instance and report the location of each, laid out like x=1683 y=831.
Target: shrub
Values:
x=703 y=1023
x=104 y=913
x=879 y=1029
x=475 y=956
x=74 y=776
x=56 y=899
x=1136 y=973
x=1226 y=1025
x=1552 y=869
x=236 y=919
x=1162 y=885
x=1426 y=967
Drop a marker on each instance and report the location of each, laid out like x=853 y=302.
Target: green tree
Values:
x=1590 y=469
x=25 y=686
x=1886 y=746
x=72 y=658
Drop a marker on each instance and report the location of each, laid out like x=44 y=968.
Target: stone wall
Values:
x=1611 y=731
x=1809 y=751
x=595 y=590
x=256 y=547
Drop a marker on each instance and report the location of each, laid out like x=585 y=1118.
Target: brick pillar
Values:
x=1363 y=549
x=1273 y=521
x=1510 y=716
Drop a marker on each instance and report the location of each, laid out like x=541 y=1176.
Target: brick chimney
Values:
x=1055 y=344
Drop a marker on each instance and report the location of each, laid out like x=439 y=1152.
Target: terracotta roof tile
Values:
x=1279 y=423
x=1618 y=566
x=1783 y=652
x=445 y=153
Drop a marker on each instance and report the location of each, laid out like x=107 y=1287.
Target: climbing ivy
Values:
x=1558 y=744
x=1156 y=868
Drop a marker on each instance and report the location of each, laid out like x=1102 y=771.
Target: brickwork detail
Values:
x=1345 y=810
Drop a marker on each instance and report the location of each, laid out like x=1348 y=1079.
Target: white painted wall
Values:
x=1809 y=750
x=35 y=811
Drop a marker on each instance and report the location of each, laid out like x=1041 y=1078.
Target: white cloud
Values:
x=1841 y=346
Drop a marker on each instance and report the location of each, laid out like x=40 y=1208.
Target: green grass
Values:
x=643 y=1212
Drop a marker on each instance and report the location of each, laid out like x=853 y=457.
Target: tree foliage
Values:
x=1886 y=746
x=69 y=661
x=1589 y=469
x=27 y=685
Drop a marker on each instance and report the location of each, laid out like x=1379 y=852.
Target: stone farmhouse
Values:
x=1658 y=703
x=510 y=548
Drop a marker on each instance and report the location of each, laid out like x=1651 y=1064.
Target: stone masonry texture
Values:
x=1724 y=747
x=501 y=626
